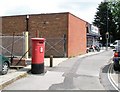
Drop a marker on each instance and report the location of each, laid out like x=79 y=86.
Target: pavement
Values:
x=14 y=75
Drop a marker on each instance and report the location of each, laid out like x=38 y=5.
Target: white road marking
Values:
x=111 y=79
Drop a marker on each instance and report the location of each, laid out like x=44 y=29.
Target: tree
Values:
x=116 y=13
x=104 y=20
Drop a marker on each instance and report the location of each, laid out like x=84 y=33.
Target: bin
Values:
x=38 y=50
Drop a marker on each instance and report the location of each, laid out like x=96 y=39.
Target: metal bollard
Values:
x=51 y=60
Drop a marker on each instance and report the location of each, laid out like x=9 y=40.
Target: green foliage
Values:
x=107 y=18
x=116 y=14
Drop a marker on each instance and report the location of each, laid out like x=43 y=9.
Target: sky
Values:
x=84 y=9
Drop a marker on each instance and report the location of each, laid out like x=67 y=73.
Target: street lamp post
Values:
x=107 y=33
x=27 y=20
x=100 y=42
x=26 y=37
x=107 y=37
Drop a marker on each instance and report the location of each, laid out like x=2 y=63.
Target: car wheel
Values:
x=115 y=68
x=5 y=68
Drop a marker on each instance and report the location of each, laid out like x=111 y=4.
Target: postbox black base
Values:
x=37 y=68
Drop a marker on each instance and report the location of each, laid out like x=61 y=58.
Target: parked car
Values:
x=116 y=63
x=4 y=64
x=114 y=44
x=116 y=58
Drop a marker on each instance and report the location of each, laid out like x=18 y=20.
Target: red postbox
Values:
x=38 y=49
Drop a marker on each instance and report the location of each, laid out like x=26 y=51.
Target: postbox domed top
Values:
x=38 y=39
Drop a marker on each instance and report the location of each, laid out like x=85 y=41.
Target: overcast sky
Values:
x=84 y=9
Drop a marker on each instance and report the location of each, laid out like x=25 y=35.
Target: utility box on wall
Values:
x=38 y=50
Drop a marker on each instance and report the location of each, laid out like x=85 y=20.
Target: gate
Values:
x=12 y=45
x=56 y=47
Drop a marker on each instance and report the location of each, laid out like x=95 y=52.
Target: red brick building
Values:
x=65 y=33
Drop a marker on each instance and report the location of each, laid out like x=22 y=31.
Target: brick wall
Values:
x=76 y=36
x=12 y=24
x=51 y=26
x=0 y=25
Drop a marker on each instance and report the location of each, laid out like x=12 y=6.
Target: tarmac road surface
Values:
x=84 y=73
x=78 y=73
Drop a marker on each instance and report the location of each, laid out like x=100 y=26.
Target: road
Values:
x=78 y=73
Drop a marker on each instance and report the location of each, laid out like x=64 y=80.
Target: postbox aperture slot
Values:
x=40 y=42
